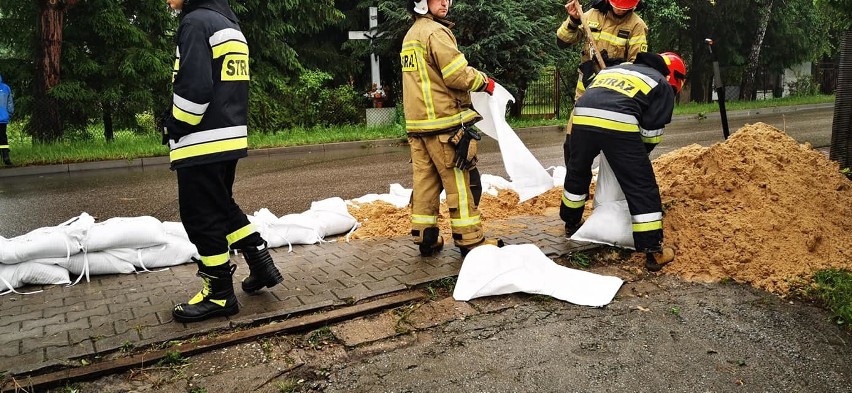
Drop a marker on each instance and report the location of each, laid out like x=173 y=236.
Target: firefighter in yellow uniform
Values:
x=206 y=129
x=439 y=118
x=618 y=32
x=619 y=35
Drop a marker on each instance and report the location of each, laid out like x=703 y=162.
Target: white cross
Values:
x=371 y=35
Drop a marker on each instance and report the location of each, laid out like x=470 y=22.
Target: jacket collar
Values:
x=439 y=20
x=220 y=6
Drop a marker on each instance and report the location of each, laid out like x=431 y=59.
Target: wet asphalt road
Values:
x=288 y=182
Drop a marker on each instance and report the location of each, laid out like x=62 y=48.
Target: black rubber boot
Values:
x=5 y=155
x=654 y=261
x=432 y=242
x=571 y=229
x=216 y=298
x=262 y=270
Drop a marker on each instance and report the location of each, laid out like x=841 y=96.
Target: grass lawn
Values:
x=91 y=146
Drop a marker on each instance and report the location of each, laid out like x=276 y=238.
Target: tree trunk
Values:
x=747 y=90
x=841 y=127
x=46 y=122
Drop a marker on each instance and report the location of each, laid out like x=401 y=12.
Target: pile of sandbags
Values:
x=325 y=218
x=125 y=245
x=82 y=247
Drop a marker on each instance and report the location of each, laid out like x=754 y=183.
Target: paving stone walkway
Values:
x=63 y=324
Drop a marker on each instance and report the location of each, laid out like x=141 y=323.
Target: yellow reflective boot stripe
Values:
x=205 y=290
x=647 y=226
x=240 y=234
x=421 y=219
x=4 y=146
x=208 y=148
x=186 y=117
x=215 y=260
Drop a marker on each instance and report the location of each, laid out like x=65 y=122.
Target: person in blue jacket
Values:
x=7 y=107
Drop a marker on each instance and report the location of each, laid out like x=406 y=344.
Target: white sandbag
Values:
x=176 y=251
x=529 y=179
x=62 y=240
x=610 y=222
x=125 y=232
x=266 y=224
x=175 y=228
x=332 y=217
x=559 y=176
x=16 y=276
x=97 y=263
x=298 y=229
x=398 y=196
x=492 y=184
x=489 y=270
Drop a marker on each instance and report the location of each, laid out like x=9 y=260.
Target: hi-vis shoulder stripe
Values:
x=645 y=78
x=228 y=41
x=210 y=136
x=187 y=111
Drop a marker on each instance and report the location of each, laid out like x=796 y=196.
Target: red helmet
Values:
x=677 y=70
x=624 y=4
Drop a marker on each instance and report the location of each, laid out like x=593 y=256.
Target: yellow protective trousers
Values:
x=432 y=165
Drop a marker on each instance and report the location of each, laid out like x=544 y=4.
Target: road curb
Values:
x=38 y=170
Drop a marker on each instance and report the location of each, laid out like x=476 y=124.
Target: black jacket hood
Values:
x=220 y=6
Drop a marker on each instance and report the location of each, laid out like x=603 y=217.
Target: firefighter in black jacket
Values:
x=206 y=130
x=622 y=114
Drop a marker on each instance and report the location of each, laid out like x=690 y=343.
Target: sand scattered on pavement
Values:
x=759 y=208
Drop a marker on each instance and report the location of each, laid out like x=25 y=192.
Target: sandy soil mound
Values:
x=759 y=208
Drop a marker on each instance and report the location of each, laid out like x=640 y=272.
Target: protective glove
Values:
x=466 y=141
x=589 y=70
x=489 y=86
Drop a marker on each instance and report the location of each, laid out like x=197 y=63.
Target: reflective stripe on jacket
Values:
x=436 y=78
x=627 y=98
x=208 y=119
x=621 y=37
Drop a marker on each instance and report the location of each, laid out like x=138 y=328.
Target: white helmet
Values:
x=422 y=6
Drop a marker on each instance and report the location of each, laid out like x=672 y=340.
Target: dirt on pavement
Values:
x=752 y=218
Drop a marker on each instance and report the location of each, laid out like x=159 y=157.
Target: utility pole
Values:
x=719 y=87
